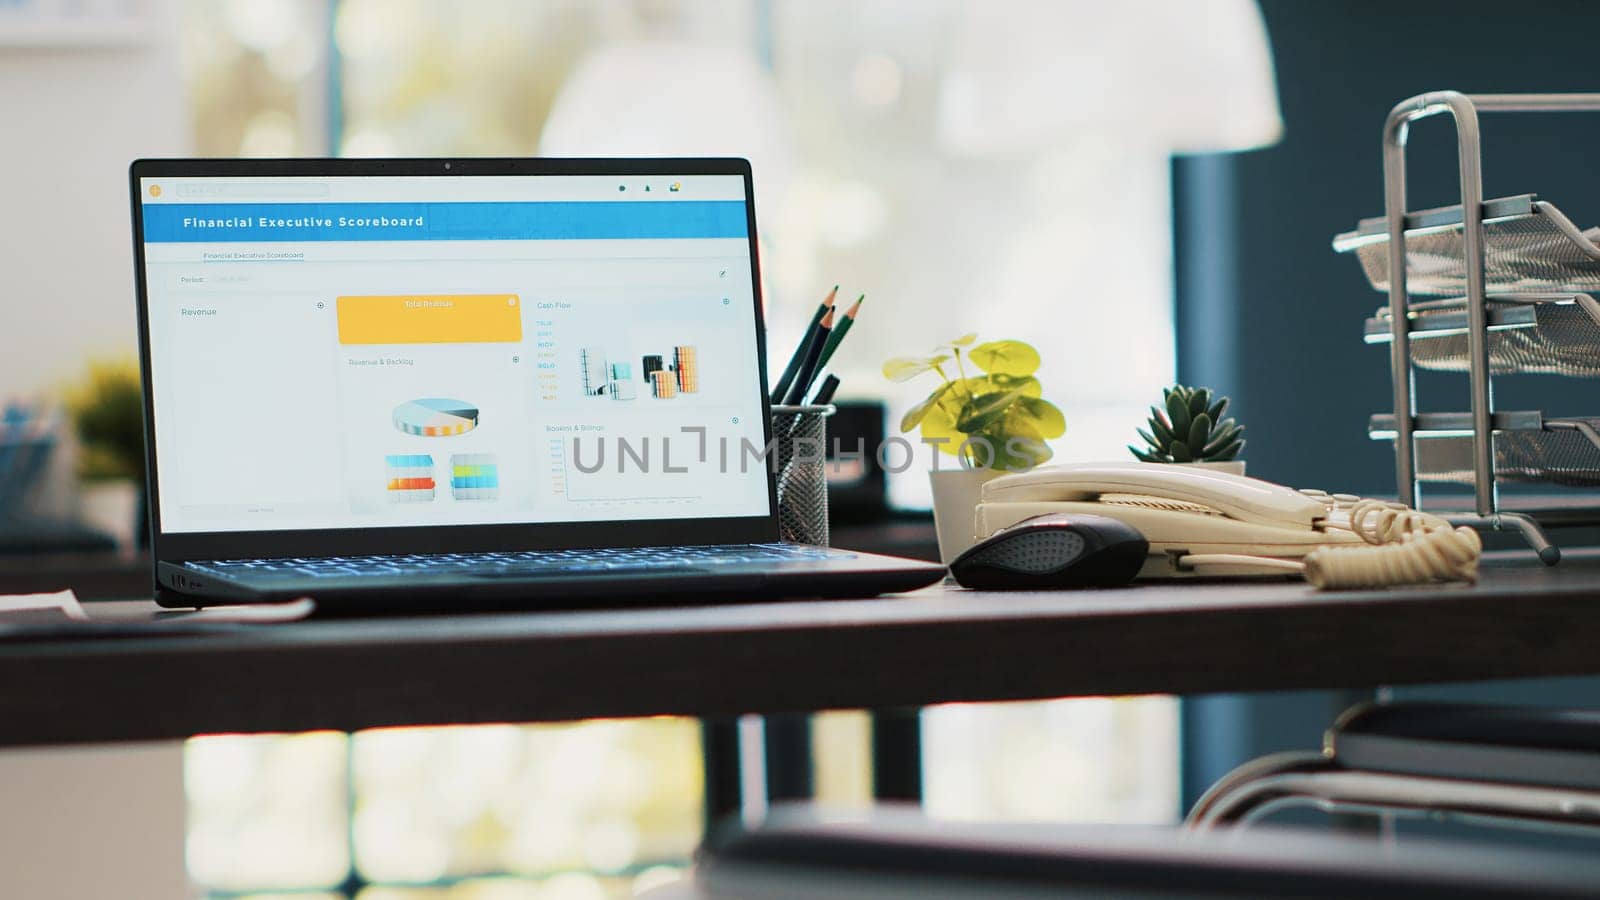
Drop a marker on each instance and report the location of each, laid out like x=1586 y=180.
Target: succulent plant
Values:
x=1189 y=427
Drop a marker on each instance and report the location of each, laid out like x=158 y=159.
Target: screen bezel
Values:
x=182 y=546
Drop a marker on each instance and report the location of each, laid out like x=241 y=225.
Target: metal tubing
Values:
x=1522 y=523
x=1536 y=102
x=1251 y=801
x=1394 y=209
x=1239 y=788
x=1395 y=130
x=1549 y=553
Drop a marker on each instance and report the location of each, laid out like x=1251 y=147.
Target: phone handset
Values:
x=1334 y=541
x=1235 y=496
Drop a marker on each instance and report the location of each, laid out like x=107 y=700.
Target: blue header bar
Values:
x=193 y=223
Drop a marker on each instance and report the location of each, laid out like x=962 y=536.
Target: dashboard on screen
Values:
x=376 y=351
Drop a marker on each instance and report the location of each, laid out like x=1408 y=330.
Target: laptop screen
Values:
x=377 y=351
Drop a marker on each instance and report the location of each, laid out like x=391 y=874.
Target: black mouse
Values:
x=1058 y=550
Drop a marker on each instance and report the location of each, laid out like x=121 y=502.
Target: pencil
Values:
x=781 y=389
x=825 y=393
x=808 y=368
x=823 y=396
x=839 y=332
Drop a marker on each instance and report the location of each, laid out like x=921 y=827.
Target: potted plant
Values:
x=108 y=418
x=992 y=422
x=1190 y=427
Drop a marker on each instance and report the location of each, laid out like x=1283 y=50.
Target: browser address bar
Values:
x=235 y=190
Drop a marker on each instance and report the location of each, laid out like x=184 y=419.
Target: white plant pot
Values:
x=955 y=505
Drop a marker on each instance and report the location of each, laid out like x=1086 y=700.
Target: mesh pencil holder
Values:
x=800 y=441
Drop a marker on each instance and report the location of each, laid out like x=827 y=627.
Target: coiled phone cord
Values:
x=1403 y=546
x=1406 y=547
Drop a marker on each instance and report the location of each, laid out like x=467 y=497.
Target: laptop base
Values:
x=839 y=574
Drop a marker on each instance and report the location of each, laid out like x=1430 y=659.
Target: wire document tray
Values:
x=1528 y=245
x=1527 y=448
x=1555 y=335
x=1488 y=289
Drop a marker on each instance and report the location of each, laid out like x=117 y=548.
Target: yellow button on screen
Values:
x=430 y=319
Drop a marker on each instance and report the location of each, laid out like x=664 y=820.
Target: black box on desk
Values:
x=857 y=487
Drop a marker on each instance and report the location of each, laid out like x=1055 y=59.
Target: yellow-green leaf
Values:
x=939 y=423
x=916 y=414
x=967 y=388
x=1017 y=444
x=964 y=341
x=1018 y=453
x=1027 y=384
x=905 y=368
x=1005 y=358
x=1041 y=414
x=984 y=410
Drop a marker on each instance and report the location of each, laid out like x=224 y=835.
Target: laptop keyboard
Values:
x=519 y=562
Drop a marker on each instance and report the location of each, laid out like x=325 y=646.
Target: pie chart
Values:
x=435 y=417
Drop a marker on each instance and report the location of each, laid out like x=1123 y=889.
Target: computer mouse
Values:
x=1058 y=550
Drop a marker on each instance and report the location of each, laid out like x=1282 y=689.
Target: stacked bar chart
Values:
x=651 y=364
x=621 y=386
x=687 y=361
x=410 y=477
x=435 y=417
x=664 y=383
x=593 y=362
x=474 y=476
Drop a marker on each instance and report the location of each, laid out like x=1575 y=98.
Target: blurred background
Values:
x=1145 y=190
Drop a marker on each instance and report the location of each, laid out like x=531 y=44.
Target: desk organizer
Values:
x=800 y=440
x=1528 y=245
x=1556 y=334
x=1512 y=282
x=1528 y=448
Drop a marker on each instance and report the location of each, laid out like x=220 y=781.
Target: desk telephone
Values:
x=1202 y=522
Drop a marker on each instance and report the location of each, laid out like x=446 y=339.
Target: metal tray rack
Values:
x=1552 y=334
x=1528 y=447
x=1528 y=245
x=1514 y=284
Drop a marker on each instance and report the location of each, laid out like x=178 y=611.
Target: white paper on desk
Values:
x=285 y=611
x=41 y=609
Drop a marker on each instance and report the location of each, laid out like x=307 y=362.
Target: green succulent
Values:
x=1189 y=427
x=995 y=419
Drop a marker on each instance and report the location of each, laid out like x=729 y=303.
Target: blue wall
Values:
x=1268 y=313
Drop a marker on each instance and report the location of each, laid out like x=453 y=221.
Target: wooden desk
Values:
x=933 y=646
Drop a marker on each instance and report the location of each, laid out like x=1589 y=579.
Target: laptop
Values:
x=471 y=383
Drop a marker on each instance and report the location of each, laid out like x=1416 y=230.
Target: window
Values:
x=600 y=809
x=965 y=167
